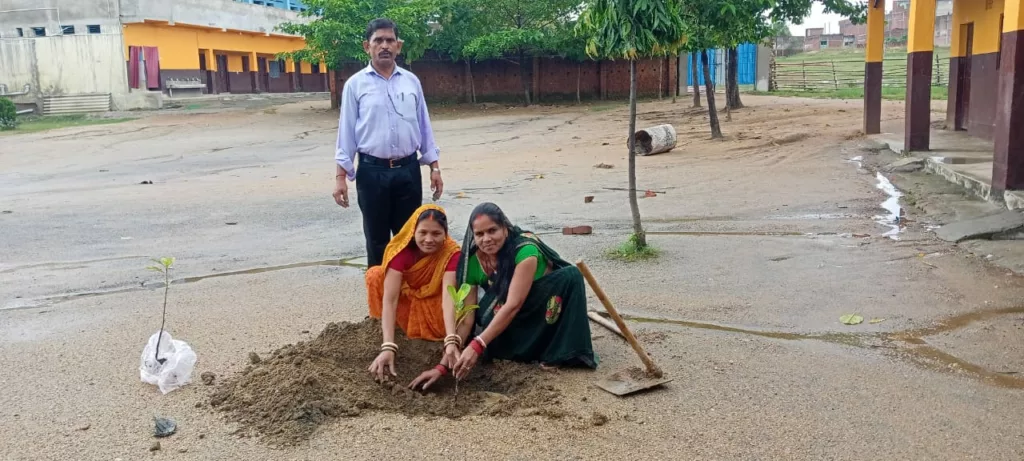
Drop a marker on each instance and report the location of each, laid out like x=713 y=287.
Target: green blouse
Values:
x=475 y=273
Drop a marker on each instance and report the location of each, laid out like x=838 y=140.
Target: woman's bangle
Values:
x=443 y=369
x=453 y=338
x=478 y=345
x=389 y=347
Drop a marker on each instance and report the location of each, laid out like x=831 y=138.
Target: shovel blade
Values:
x=627 y=382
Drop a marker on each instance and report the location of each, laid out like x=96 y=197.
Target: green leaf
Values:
x=464 y=291
x=167 y=262
x=155 y=268
x=851 y=319
x=452 y=293
x=876 y=320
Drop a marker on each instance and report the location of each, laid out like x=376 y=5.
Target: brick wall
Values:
x=552 y=79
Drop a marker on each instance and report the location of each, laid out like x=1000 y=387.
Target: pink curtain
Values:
x=133 y=67
x=152 y=56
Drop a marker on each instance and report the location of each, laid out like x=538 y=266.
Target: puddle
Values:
x=909 y=345
x=894 y=219
x=359 y=262
x=858 y=160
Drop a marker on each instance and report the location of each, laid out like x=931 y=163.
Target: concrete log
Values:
x=655 y=140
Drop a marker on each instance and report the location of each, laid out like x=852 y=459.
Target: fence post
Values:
x=803 y=69
x=835 y=78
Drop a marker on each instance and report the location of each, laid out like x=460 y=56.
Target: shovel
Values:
x=630 y=380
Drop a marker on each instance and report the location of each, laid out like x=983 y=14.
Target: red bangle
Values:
x=443 y=369
x=477 y=346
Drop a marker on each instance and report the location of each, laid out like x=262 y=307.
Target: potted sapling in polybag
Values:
x=166 y=362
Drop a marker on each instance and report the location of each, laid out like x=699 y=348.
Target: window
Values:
x=20 y=31
x=67 y=30
x=39 y=31
x=94 y=29
x=824 y=43
x=316 y=68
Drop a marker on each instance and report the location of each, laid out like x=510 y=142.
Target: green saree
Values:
x=552 y=326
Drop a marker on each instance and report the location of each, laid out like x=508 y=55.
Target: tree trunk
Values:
x=525 y=75
x=634 y=206
x=661 y=78
x=579 y=72
x=472 y=87
x=716 y=129
x=732 y=100
x=695 y=64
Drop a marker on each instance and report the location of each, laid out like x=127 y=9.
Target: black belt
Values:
x=389 y=163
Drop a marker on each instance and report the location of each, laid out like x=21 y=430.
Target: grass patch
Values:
x=893 y=93
x=629 y=251
x=37 y=123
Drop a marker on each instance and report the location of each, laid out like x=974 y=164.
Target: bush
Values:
x=8 y=115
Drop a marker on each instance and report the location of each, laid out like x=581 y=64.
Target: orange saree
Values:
x=419 y=313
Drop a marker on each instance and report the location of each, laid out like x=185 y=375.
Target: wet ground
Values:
x=766 y=240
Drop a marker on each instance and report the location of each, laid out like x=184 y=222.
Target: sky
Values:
x=818 y=18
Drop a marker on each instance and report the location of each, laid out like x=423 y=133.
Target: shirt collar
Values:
x=370 y=70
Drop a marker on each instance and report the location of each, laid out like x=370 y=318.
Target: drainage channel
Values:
x=358 y=262
x=909 y=345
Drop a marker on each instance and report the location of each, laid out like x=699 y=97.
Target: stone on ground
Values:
x=905 y=165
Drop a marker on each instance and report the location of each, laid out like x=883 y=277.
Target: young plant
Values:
x=459 y=299
x=461 y=310
x=164 y=268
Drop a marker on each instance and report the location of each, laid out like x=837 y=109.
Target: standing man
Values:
x=384 y=122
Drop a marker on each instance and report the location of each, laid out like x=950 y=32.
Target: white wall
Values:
x=78 y=64
x=227 y=14
x=52 y=14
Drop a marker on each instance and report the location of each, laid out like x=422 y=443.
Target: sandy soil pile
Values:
x=284 y=397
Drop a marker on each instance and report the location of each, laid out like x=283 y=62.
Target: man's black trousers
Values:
x=388 y=193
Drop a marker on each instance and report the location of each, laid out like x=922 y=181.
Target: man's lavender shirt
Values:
x=384 y=118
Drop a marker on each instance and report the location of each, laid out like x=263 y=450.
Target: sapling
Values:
x=164 y=268
x=461 y=310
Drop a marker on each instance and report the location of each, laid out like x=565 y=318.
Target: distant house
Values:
x=816 y=39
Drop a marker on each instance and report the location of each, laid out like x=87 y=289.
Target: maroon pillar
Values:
x=1008 y=165
x=872 y=97
x=919 y=100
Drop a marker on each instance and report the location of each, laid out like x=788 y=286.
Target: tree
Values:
x=459 y=23
x=518 y=30
x=336 y=31
x=632 y=29
x=573 y=47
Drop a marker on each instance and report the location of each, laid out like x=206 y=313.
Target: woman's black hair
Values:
x=506 y=257
x=434 y=215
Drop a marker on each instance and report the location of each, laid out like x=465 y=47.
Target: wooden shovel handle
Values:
x=652 y=369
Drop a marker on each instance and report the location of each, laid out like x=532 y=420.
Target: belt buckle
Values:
x=391 y=163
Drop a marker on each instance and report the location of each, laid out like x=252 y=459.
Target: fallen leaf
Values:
x=851 y=319
x=876 y=321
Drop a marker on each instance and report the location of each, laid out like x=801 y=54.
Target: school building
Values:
x=986 y=81
x=81 y=55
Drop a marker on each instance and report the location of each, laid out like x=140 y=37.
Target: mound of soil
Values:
x=287 y=395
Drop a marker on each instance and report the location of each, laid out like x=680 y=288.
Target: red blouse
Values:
x=406 y=258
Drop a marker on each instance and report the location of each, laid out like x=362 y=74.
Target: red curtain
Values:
x=152 y=56
x=133 y=67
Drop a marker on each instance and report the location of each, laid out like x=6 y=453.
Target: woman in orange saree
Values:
x=409 y=288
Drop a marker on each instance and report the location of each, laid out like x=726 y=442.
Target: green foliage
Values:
x=336 y=31
x=851 y=319
x=164 y=267
x=632 y=29
x=517 y=29
x=458 y=299
x=8 y=115
x=460 y=22
x=633 y=250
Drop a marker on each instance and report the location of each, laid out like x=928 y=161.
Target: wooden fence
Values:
x=828 y=75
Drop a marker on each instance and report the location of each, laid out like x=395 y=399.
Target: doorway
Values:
x=222 y=73
x=963 y=84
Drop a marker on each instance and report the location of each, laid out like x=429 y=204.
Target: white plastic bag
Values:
x=179 y=361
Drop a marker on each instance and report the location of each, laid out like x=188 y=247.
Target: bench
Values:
x=183 y=84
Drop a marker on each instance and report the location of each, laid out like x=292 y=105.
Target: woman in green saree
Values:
x=534 y=307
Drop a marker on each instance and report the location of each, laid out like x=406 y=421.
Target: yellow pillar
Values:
x=211 y=60
x=253 y=62
x=289 y=66
x=1008 y=164
x=873 y=67
x=920 y=46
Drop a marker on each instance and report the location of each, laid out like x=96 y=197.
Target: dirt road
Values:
x=766 y=239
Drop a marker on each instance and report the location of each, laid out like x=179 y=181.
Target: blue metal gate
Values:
x=746 y=65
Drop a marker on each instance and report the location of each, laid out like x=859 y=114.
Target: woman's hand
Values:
x=426 y=379
x=384 y=363
x=465 y=363
x=450 y=356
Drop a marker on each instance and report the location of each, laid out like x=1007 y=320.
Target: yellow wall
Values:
x=876 y=33
x=1014 y=16
x=986 y=26
x=180 y=44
